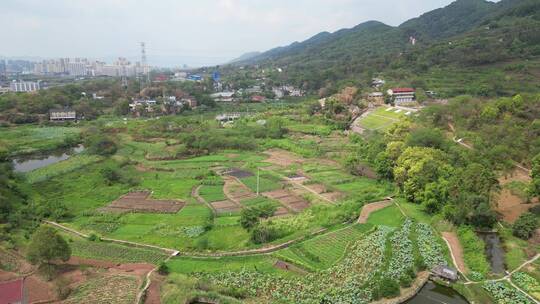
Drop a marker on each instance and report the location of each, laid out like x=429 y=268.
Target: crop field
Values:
x=389 y=216
x=115 y=252
x=107 y=289
x=348 y=256
x=32 y=139
x=324 y=251
x=382 y=118
x=212 y=193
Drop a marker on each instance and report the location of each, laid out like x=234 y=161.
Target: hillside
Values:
x=491 y=37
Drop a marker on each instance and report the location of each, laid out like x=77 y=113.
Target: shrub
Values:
x=263 y=233
x=61 y=288
x=163 y=269
x=525 y=225
x=389 y=288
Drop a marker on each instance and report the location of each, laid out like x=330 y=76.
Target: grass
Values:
x=212 y=193
x=266 y=183
x=69 y=165
x=381 y=119
x=187 y=265
x=389 y=216
x=258 y=201
x=514 y=249
x=32 y=139
x=473 y=251
x=325 y=250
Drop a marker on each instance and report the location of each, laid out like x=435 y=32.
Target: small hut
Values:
x=445 y=272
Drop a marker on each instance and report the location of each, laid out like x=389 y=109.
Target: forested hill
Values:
x=463 y=34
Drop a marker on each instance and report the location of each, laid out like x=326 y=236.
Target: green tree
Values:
x=534 y=188
x=47 y=246
x=525 y=225
x=249 y=218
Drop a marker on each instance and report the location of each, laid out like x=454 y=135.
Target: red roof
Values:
x=403 y=90
x=11 y=292
x=258 y=98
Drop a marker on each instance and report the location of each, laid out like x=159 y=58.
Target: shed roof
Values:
x=11 y=292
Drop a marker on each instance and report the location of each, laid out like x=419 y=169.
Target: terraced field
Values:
x=324 y=251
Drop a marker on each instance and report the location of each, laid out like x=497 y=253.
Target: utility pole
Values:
x=258 y=180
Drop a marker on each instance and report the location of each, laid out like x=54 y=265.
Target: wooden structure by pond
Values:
x=445 y=272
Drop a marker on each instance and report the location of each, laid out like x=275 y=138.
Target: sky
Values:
x=178 y=32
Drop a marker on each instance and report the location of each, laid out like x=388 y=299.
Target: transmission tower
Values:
x=145 y=79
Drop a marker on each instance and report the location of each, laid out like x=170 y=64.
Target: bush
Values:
x=389 y=288
x=525 y=226
x=61 y=288
x=263 y=234
x=163 y=269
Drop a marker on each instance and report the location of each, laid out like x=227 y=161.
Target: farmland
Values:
x=383 y=118
x=161 y=189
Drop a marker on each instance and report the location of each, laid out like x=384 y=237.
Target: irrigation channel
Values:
x=33 y=162
x=433 y=293
x=494 y=251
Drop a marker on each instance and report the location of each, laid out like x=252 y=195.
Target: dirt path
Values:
x=195 y=194
x=317 y=194
x=370 y=208
x=456 y=252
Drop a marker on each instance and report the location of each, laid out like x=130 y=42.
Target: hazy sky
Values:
x=194 y=32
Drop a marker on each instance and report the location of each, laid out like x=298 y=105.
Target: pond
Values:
x=433 y=293
x=494 y=251
x=27 y=164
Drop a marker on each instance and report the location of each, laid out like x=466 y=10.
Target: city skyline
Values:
x=181 y=32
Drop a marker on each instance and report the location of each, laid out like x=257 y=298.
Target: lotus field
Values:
x=384 y=253
x=502 y=293
x=430 y=250
x=527 y=283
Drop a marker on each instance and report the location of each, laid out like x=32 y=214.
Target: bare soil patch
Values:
x=456 y=250
x=238 y=173
x=289 y=267
x=288 y=199
x=139 y=201
x=226 y=207
x=370 y=208
x=236 y=191
x=282 y=158
x=153 y=293
x=509 y=205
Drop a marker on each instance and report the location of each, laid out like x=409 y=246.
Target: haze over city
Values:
x=195 y=33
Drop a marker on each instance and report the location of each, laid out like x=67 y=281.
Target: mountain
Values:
x=456 y=18
x=245 y=57
x=452 y=39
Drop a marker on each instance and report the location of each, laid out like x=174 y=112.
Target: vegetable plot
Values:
x=505 y=294
x=430 y=250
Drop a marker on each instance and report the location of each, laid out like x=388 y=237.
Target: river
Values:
x=33 y=162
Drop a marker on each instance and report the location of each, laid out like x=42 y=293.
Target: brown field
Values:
x=236 y=191
x=226 y=207
x=288 y=199
x=139 y=202
x=509 y=205
x=282 y=158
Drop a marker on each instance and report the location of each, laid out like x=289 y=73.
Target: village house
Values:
x=376 y=98
x=148 y=103
x=258 y=98
x=402 y=96
x=223 y=96
x=62 y=114
x=377 y=82
x=190 y=102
